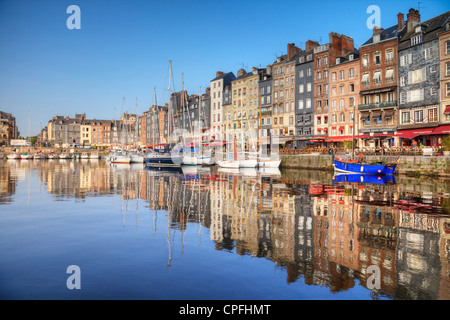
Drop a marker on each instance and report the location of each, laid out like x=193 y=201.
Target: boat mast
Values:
x=353 y=136
x=153 y=117
x=168 y=110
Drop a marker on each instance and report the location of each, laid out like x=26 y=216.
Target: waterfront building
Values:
x=85 y=132
x=378 y=108
x=8 y=128
x=304 y=95
x=227 y=97
x=218 y=85
x=419 y=76
x=324 y=56
x=265 y=101
x=100 y=132
x=444 y=84
x=344 y=97
x=289 y=89
x=65 y=131
x=244 y=111
x=278 y=123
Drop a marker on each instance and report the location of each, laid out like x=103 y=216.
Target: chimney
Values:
x=311 y=45
x=241 y=72
x=401 y=20
x=412 y=19
x=291 y=50
x=255 y=70
x=377 y=34
x=219 y=73
x=269 y=69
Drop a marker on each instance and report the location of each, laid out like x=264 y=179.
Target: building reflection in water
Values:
x=320 y=230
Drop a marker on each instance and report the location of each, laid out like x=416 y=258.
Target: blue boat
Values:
x=364 y=178
x=164 y=157
x=352 y=167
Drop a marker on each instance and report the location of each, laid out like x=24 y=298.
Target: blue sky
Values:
x=123 y=47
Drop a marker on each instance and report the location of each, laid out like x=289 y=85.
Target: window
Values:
x=377 y=77
x=389 y=55
x=319 y=75
x=416 y=40
x=319 y=62
x=342 y=117
x=308 y=87
x=402 y=81
x=418 y=116
x=342 y=104
x=333 y=105
x=447 y=47
x=333 y=76
x=447 y=68
x=447 y=88
x=406 y=59
x=319 y=90
x=351 y=73
x=308 y=103
x=415 y=95
x=432 y=114
x=428 y=54
x=376 y=58
x=351 y=87
x=341 y=89
x=365 y=79
x=325 y=60
x=417 y=76
x=390 y=75
x=402 y=97
x=334 y=118
x=365 y=60
x=342 y=76
x=301 y=88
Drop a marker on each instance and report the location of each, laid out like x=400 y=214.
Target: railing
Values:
x=392 y=151
x=377 y=105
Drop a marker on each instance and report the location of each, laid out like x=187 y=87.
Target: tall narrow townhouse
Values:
x=378 y=106
x=304 y=95
x=278 y=96
x=324 y=56
x=444 y=52
x=289 y=90
x=265 y=101
x=344 y=97
x=217 y=86
x=419 y=75
x=283 y=110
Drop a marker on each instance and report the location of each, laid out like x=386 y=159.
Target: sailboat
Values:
x=245 y=162
x=190 y=156
x=233 y=163
x=120 y=156
x=165 y=157
x=272 y=161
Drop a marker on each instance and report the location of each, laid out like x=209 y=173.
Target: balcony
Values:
x=385 y=104
x=266 y=113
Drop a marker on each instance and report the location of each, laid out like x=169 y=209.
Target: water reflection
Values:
x=322 y=230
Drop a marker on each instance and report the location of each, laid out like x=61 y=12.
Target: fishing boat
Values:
x=13 y=156
x=356 y=167
x=39 y=156
x=26 y=156
x=53 y=156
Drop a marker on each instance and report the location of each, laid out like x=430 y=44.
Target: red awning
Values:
x=339 y=139
x=445 y=129
x=412 y=133
x=447 y=110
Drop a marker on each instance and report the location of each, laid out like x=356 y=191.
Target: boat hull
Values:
x=228 y=164
x=269 y=163
x=359 y=168
x=248 y=163
x=164 y=161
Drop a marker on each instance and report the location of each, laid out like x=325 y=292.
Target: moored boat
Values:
x=13 y=156
x=355 y=167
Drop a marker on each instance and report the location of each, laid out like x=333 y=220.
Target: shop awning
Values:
x=412 y=133
x=388 y=114
x=447 y=110
x=376 y=114
x=339 y=139
x=445 y=129
x=364 y=116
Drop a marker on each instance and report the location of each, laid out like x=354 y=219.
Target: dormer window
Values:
x=350 y=57
x=338 y=60
x=416 y=40
x=418 y=28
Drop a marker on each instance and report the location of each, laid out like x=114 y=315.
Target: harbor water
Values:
x=136 y=232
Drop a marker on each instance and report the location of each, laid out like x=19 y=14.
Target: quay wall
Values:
x=406 y=165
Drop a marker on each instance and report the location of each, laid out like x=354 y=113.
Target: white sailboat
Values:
x=245 y=162
x=13 y=156
x=94 y=155
x=189 y=156
x=270 y=161
x=120 y=156
x=232 y=163
x=84 y=155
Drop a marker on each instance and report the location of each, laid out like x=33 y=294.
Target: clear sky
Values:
x=123 y=47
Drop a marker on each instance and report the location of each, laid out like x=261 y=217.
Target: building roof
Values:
x=227 y=77
x=430 y=30
x=386 y=34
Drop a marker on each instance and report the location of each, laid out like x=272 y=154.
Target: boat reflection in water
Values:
x=316 y=228
x=364 y=178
